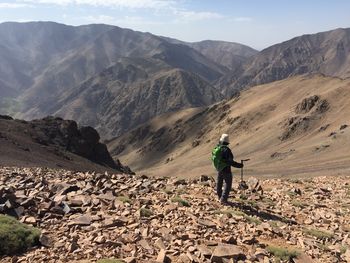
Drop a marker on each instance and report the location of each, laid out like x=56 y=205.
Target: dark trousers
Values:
x=226 y=177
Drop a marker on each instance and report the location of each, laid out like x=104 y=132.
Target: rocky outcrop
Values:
x=308 y=111
x=86 y=216
x=58 y=136
x=83 y=141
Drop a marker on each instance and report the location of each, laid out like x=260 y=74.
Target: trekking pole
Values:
x=243 y=184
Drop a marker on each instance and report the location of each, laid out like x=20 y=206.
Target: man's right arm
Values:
x=228 y=157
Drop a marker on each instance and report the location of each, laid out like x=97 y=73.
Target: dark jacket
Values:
x=227 y=156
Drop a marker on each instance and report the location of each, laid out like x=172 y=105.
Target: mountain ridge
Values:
x=325 y=52
x=265 y=125
x=81 y=53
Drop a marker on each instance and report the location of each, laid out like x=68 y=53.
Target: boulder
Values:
x=223 y=252
x=82 y=221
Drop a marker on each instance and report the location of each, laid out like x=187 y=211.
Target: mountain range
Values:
x=327 y=53
x=44 y=61
x=115 y=79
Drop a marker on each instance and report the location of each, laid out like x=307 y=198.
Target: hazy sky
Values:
x=257 y=23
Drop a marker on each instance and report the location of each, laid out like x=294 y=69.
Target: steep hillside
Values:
x=326 y=53
x=294 y=127
x=228 y=54
x=53 y=142
x=28 y=49
x=132 y=92
x=42 y=60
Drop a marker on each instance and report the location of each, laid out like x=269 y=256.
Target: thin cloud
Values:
x=243 y=19
x=100 y=19
x=15 y=5
x=153 y=4
x=125 y=21
x=188 y=16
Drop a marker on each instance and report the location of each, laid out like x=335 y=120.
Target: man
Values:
x=224 y=172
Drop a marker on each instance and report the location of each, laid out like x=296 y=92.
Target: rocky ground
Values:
x=86 y=217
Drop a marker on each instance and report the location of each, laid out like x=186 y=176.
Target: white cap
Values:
x=224 y=138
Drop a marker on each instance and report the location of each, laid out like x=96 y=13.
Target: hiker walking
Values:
x=222 y=158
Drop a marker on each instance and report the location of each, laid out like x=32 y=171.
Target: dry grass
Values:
x=180 y=201
x=282 y=253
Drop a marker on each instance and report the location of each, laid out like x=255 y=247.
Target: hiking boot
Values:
x=223 y=201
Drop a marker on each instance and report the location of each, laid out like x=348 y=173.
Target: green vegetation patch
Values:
x=282 y=253
x=299 y=204
x=268 y=201
x=167 y=191
x=253 y=220
x=181 y=201
x=16 y=237
x=144 y=212
x=247 y=202
x=319 y=234
x=273 y=224
x=291 y=193
x=323 y=247
x=343 y=249
x=124 y=199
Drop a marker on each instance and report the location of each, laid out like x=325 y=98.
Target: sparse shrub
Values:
x=167 y=191
x=318 y=233
x=282 y=253
x=268 y=201
x=323 y=247
x=144 y=212
x=291 y=193
x=253 y=220
x=247 y=202
x=181 y=201
x=124 y=199
x=243 y=197
x=16 y=237
x=250 y=219
x=299 y=204
x=273 y=223
x=343 y=249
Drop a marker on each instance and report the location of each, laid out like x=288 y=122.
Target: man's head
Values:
x=224 y=139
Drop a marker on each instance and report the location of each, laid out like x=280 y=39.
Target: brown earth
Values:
x=291 y=128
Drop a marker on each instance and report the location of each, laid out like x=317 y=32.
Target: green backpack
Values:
x=216 y=157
